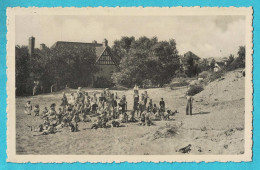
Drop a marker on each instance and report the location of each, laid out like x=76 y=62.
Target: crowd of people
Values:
x=109 y=108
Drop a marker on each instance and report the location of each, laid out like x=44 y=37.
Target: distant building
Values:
x=107 y=63
x=186 y=58
x=220 y=63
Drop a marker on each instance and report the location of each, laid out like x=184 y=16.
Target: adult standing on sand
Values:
x=189 y=104
x=64 y=101
x=136 y=100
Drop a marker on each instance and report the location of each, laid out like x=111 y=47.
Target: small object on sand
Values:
x=186 y=149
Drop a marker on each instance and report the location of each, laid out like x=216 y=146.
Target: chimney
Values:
x=105 y=42
x=42 y=46
x=31 y=45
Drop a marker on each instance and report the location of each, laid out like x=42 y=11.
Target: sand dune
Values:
x=217 y=126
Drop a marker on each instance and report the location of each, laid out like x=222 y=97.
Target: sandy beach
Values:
x=216 y=127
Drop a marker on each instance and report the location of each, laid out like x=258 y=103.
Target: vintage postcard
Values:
x=129 y=84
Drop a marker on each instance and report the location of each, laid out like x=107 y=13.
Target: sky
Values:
x=206 y=36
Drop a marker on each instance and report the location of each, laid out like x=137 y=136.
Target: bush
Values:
x=180 y=74
x=147 y=83
x=216 y=75
x=204 y=74
x=195 y=90
x=237 y=63
x=102 y=82
x=178 y=82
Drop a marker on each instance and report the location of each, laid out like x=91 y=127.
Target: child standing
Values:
x=145 y=98
x=72 y=99
x=150 y=106
x=162 y=105
x=189 y=104
x=28 y=108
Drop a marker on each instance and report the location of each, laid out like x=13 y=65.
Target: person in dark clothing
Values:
x=122 y=104
x=162 y=105
x=136 y=102
x=94 y=108
x=114 y=103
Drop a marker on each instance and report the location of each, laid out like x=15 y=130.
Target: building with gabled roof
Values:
x=106 y=62
x=184 y=60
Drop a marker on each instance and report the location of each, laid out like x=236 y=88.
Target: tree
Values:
x=22 y=69
x=73 y=66
x=122 y=46
x=239 y=62
x=231 y=58
x=203 y=66
x=212 y=64
x=241 y=56
x=149 y=60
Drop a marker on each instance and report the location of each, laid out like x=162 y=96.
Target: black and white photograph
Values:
x=135 y=82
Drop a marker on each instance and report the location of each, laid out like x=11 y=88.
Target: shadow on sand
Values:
x=201 y=113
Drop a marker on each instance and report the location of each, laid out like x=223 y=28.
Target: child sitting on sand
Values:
x=94 y=108
x=28 y=108
x=36 y=110
x=123 y=118
x=150 y=106
x=52 y=110
x=45 y=112
x=148 y=120
x=59 y=116
x=50 y=130
x=142 y=118
x=97 y=124
x=156 y=112
x=46 y=123
x=132 y=117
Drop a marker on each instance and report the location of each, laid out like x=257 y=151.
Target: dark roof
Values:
x=59 y=44
x=79 y=45
x=194 y=56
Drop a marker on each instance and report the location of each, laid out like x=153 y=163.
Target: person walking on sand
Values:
x=189 y=104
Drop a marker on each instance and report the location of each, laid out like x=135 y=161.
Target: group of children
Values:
x=108 y=108
x=148 y=112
